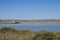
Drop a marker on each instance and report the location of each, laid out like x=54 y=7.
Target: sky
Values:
x=29 y=9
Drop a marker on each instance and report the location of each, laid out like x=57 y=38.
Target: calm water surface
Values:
x=35 y=27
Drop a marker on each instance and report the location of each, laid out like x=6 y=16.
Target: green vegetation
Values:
x=8 y=33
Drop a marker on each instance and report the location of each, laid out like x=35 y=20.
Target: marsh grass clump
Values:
x=47 y=36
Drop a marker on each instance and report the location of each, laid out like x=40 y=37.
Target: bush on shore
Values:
x=8 y=33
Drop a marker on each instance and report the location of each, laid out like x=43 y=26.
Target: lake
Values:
x=35 y=27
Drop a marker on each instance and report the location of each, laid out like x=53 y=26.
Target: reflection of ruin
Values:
x=14 y=22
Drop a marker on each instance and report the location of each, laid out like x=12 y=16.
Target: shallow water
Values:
x=35 y=27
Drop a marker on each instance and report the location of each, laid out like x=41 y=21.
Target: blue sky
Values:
x=29 y=9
